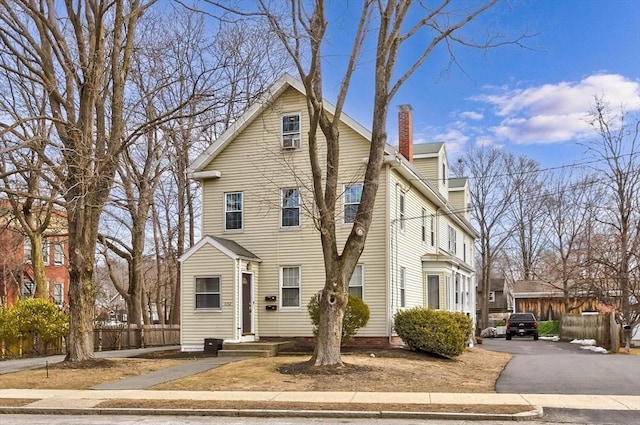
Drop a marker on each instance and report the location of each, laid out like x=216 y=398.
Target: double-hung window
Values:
x=58 y=254
x=352 y=195
x=402 y=214
x=433 y=291
x=433 y=231
x=403 y=287
x=58 y=294
x=208 y=293
x=452 y=240
x=45 y=252
x=291 y=131
x=290 y=207
x=424 y=225
x=356 y=283
x=27 y=250
x=290 y=286
x=233 y=211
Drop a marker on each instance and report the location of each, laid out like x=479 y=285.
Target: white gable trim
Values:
x=208 y=240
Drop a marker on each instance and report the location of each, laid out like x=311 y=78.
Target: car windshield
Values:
x=523 y=316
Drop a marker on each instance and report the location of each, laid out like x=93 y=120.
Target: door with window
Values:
x=247 y=304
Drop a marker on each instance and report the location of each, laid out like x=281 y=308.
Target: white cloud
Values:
x=472 y=115
x=553 y=113
x=454 y=139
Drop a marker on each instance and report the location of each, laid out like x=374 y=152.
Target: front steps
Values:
x=254 y=349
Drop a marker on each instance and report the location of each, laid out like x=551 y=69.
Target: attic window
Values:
x=291 y=131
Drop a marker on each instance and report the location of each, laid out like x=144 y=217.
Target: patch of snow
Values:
x=554 y=338
x=584 y=341
x=594 y=349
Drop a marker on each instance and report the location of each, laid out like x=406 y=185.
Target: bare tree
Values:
x=569 y=206
x=529 y=219
x=618 y=170
x=492 y=193
x=303 y=30
x=79 y=54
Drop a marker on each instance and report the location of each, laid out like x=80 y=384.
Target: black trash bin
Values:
x=212 y=345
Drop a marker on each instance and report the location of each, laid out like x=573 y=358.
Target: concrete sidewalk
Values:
x=85 y=402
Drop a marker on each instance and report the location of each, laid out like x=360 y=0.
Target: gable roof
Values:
x=282 y=84
x=228 y=247
x=427 y=150
x=195 y=170
x=457 y=182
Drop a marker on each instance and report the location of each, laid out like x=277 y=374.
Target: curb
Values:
x=536 y=412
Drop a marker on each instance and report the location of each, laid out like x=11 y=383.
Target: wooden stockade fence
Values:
x=601 y=327
x=120 y=337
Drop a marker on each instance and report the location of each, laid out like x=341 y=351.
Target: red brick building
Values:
x=16 y=269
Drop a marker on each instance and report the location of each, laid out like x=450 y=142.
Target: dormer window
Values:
x=291 y=131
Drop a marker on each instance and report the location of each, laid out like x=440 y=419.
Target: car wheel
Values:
x=535 y=337
x=508 y=336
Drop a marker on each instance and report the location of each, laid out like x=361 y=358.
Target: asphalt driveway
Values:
x=547 y=367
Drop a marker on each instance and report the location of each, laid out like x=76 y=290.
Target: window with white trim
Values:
x=401 y=208
x=352 y=195
x=45 y=252
x=208 y=294
x=492 y=296
x=290 y=207
x=58 y=293
x=27 y=250
x=28 y=289
x=403 y=287
x=433 y=231
x=424 y=225
x=291 y=131
x=433 y=291
x=452 y=240
x=58 y=254
x=356 y=283
x=290 y=287
x=233 y=211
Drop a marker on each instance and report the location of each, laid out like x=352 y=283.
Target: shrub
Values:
x=38 y=317
x=356 y=316
x=551 y=327
x=439 y=332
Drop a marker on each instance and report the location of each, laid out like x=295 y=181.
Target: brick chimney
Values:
x=405 y=131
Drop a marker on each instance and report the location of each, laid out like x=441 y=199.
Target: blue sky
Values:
x=531 y=101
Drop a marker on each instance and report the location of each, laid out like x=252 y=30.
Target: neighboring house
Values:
x=546 y=301
x=500 y=301
x=260 y=260
x=16 y=270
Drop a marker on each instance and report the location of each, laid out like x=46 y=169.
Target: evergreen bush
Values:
x=439 y=332
x=356 y=316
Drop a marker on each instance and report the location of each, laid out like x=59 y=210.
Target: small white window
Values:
x=403 y=287
x=28 y=289
x=492 y=296
x=290 y=287
x=433 y=291
x=433 y=231
x=356 y=283
x=291 y=131
x=424 y=225
x=45 y=252
x=58 y=293
x=290 y=207
x=452 y=240
x=233 y=211
x=58 y=254
x=402 y=215
x=208 y=293
x=352 y=195
x=27 y=250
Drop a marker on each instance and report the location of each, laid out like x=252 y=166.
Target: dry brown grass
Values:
x=476 y=370
x=16 y=402
x=83 y=375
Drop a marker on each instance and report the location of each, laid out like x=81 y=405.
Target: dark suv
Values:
x=522 y=324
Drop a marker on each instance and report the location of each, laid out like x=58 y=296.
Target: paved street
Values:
x=547 y=367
